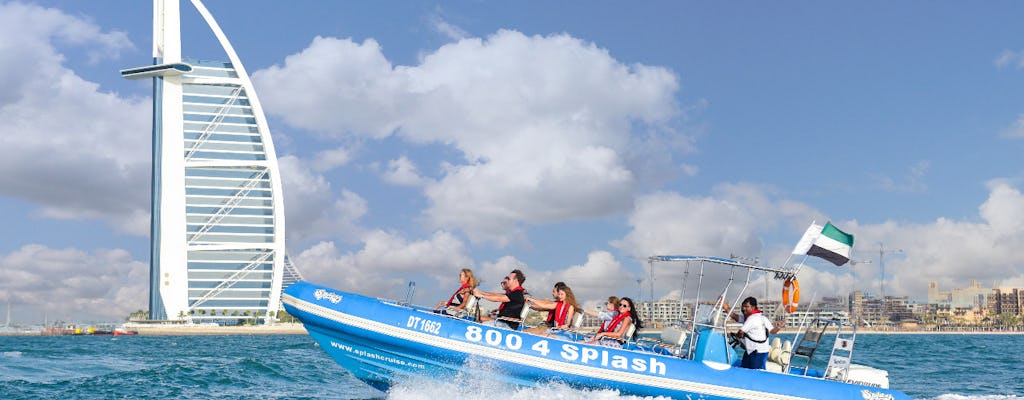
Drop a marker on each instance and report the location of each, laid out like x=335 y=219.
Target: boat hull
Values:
x=382 y=342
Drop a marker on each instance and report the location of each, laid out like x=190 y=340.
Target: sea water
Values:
x=946 y=367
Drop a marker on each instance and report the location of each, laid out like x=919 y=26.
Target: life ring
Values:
x=790 y=295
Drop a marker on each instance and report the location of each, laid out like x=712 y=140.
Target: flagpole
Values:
x=790 y=257
x=802 y=263
x=787 y=260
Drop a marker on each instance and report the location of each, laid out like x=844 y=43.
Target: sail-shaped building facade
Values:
x=218 y=231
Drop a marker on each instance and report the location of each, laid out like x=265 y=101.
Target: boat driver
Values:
x=512 y=301
x=754 y=333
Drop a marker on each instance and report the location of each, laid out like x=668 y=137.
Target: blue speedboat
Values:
x=383 y=341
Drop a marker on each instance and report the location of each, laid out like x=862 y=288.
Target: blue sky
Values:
x=569 y=139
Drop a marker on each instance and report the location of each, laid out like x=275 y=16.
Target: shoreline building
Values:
x=972 y=296
x=1008 y=301
x=665 y=311
x=217 y=230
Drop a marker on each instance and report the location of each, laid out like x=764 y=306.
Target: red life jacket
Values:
x=558 y=316
x=614 y=324
x=450 y=299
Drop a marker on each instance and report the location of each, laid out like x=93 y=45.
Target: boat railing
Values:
x=706 y=326
x=410 y=292
x=779 y=273
x=838 y=363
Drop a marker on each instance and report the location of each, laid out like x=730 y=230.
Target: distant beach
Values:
x=869 y=331
x=298 y=329
x=275 y=329
x=923 y=332
x=182 y=329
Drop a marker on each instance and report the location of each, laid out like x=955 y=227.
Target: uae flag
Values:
x=826 y=242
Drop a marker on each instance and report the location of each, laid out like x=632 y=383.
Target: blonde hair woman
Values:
x=467 y=282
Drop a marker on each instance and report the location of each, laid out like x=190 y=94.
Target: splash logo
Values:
x=332 y=297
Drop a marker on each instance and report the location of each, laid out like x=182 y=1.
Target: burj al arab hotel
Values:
x=217 y=229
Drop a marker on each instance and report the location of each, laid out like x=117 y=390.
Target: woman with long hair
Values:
x=467 y=281
x=615 y=333
x=560 y=311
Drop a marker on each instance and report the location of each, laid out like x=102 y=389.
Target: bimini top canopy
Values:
x=780 y=273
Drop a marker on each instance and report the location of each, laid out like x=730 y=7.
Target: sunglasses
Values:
x=623 y=305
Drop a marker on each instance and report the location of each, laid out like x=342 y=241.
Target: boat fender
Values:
x=790 y=295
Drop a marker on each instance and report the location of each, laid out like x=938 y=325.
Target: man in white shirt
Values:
x=754 y=333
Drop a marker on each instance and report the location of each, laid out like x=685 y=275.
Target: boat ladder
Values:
x=842 y=349
x=803 y=352
x=842 y=352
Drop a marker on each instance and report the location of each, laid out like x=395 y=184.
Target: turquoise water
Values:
x=946 y=367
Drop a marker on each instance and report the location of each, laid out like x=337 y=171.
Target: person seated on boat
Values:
x=606 y=316
x=754 y=332
x=458 y=299
x=615 y=333
x=561 y=311
x=494 y=313
x=512 y=301
x=544 y=305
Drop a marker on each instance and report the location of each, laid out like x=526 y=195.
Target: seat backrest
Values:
x=628 y=335
x=471 y=304
x=577 y=321
x=524 y=313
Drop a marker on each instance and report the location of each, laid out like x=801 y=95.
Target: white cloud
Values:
x=732 y=221
x=1016 y=130
x=447 y=29
x=67 y=147
x=1010 y=58
x=490 y=273
x=550 y=128
x=402 y=171
x=737 y=217
x=913 y=180
x=40 y=280
x=313 y=210
x=599 y=277
x=327 y=160
x=384 y=264
x=950 y=252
